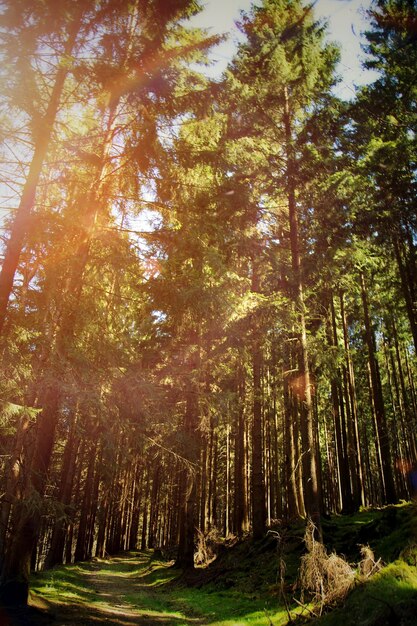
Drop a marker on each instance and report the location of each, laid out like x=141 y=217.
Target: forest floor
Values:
x=141 y=589
x=246 y=585
x=120 y=591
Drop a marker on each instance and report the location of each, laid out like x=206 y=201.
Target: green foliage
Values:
x=10 y=411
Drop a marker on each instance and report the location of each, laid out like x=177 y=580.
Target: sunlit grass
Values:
x=246 y=594
x=63 y=585
x=214 y=607
x=150 y=594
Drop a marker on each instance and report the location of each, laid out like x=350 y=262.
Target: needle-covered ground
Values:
x=248 y=584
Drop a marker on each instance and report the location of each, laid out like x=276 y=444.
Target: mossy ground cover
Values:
x=242 y=587
x=147 y=591
x=389 y=598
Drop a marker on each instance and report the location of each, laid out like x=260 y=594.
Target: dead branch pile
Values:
x=207 y=547
x=367 y=566
x=327 y=578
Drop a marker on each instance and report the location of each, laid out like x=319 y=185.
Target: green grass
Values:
x=153 y=591
x=64 y=585
x=207 y=604
x=244 y=588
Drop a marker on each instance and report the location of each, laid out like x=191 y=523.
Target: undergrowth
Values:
x=364 y=574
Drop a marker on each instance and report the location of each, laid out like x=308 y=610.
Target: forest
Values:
x=208 y=293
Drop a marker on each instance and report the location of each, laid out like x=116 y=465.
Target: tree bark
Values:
x=56 y=550
x=408 y=289
x=16 y=567
x=310 y=471
x=258 y=481
x=188 y=517
x=240 y=509
x=383 y=443
x=340 y=425
x=81 y=548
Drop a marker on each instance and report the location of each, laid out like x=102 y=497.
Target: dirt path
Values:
x=116 y=592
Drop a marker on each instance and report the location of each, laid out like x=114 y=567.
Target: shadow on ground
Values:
x=96 y=593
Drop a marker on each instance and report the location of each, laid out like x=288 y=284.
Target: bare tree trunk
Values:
x=188 y=519
x=291 y=439
x=154 y=503
x=408 y=288
x=340 y=425
x=56 y=550
x=240 y=496
x=312 y=493
x=383 y=443
x=258 y=481
x=82 y=543
x=136 y=502
x=354 y=450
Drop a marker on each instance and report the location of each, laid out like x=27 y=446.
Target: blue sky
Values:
x=346 y=22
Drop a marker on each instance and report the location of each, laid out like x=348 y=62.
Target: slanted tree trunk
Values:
x=20 y=223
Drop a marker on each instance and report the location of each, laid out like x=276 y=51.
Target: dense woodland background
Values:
x=208 y=299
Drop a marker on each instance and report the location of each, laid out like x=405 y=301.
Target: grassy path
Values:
x=121 y=591
x=136 y=588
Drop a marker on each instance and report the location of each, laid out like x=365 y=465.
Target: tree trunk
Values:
x=154 y=511
x=258 y=482
x=383 y=443
x=407 y=289
x=291 y=434
x=340 y=425
x=240 y=509
x=16 y=567
x=354 y=450
x=188 y=518
x=310 y=471
x=20 y=224
x=81 y=548
x=56 y=550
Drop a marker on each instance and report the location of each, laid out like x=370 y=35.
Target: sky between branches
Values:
x=346 y=19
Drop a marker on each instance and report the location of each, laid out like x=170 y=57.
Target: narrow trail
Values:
x=118 y=592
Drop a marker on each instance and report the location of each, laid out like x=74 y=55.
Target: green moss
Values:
x=241 y=587
x=390 y=594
